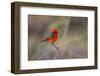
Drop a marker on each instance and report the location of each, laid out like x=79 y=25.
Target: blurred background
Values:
x=72 y=40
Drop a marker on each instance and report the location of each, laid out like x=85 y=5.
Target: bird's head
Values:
x=55 y=31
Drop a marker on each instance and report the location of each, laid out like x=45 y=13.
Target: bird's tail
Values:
x=44 y=40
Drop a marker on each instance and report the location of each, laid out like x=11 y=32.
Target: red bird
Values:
x=53 y=37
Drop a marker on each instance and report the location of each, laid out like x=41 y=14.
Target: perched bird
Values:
x=53 y=37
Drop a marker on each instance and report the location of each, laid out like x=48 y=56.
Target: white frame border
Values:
x=25 y=64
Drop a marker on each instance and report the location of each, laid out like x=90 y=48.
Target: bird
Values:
x=52 y=39
x=53 y=36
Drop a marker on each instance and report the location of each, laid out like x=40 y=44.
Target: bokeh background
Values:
x=72 y=41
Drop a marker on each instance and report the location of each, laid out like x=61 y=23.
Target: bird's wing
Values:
x=51 y=35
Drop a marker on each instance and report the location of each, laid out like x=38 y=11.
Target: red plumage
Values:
x=53 y=36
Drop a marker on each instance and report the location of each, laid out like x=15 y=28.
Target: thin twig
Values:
x=58 y=51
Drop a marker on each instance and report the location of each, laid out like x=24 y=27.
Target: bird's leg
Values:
x=58 y=51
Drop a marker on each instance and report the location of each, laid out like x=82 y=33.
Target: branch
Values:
x=58 y=51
